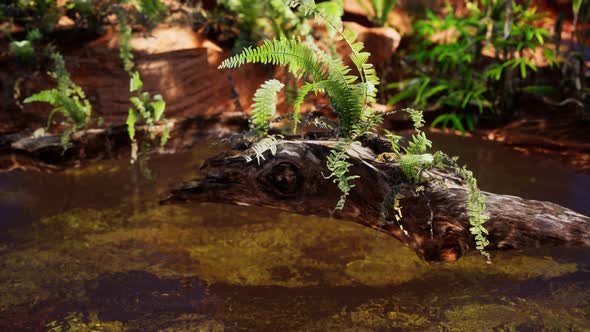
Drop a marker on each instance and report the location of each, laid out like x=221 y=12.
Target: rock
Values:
x=381 y=42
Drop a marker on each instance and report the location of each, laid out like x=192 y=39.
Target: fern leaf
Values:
x=339 y=166
x=45 y=96
x=268 y=143
x=298 y=57
x=265 y=105
x=301 y=94
x=411 y=164
x=131 y=120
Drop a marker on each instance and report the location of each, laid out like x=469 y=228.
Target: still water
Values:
x=90 y=249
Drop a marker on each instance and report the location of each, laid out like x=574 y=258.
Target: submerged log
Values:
x=435 y=222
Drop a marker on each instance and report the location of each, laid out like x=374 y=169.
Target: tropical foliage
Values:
x=478 y=62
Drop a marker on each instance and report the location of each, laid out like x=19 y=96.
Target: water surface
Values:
x=91 y=250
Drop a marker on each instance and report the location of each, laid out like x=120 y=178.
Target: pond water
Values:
x=90 y=249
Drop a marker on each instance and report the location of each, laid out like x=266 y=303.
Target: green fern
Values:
x=476 y=206
x=415 y=160
x=265 y=106
x=268 y=143
x=350 y=98
x=68 y=99
x=339 y=166
x=145 y=108
x=368 y=75
x=413 y=164
x=125 y=43
x=299 y=58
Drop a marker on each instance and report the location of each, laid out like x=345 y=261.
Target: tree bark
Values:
x=435 y=221
x=46 y=153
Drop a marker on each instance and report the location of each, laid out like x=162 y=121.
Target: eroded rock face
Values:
x=381 y=42
x=173 y=61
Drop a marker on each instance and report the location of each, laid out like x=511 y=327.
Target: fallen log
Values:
x=26 y=151
x=435 y=223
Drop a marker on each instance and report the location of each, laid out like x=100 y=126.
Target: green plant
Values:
x=149 y=12
x=379 y=11
x=146 y=109
x=415 y=160
x=574 y=70
x=33 y=14
x=265 y=106
x=476 y=63
x=351 y=97
x=67 y=99
x=260 y=20
x=24 y=50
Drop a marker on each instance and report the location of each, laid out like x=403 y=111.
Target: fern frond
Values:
x=476 y=206
x=412 y=164
x=269 y=143
x=301 y=94
x=299 y=58
x=346 y=102
x=339 y=165
x=359 y=58
x=416 y=116
x=124 y=43
x=265 y=105
x=419 y=144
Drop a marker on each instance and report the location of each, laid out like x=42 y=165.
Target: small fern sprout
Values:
x=339 y=166
x=268 y=143
x=265 y=106
x=476 y=206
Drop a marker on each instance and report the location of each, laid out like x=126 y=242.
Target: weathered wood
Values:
x=435 y=222
x=45 y=153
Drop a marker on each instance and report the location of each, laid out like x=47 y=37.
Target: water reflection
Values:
x=92 y=250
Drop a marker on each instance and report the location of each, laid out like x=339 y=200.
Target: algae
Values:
x=78 y=322
x=239 y=246
x=516 y=316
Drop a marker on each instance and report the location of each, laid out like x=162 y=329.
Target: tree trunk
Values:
x=435 y=222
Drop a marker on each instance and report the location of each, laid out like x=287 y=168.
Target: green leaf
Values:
x=541 y=89
x=265 y=105
x=135 y=83
x=158 y=105
x=404 y=94
x=131 y=119
x=45 y=96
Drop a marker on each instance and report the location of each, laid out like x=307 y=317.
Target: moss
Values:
x=94 y=169
x=515 y=316
x=241 y=247
x=516 y=265
x=78 y=322
x=380 y=314
x=187 y=323
x=238 y=246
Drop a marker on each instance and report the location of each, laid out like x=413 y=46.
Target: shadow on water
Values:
x=90 y=250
